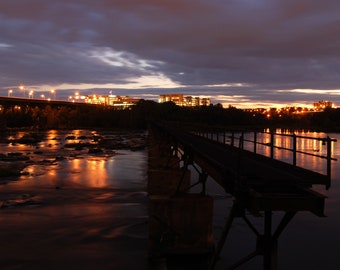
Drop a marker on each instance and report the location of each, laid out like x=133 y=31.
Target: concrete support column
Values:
x=170 y=162
x=167 y=181
x=180 y=225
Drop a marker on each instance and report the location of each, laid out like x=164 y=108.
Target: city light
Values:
x=21 y=87
x=53 y=94
x=186 y=101
x=272 y=111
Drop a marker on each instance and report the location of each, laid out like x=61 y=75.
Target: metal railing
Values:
x=234 y=136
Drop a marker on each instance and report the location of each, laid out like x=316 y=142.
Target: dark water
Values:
x=73 y=210
x=309 y=242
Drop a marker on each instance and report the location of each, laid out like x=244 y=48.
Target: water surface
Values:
x=72 y=209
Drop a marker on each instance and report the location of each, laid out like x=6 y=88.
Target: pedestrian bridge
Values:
x=259 y=185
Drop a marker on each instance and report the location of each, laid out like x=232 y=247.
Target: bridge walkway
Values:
x=258 y=178
x=259 y=185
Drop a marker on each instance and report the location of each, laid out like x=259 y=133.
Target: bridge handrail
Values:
x=215 y=135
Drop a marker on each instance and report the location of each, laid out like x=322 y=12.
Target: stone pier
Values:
x=180 y=222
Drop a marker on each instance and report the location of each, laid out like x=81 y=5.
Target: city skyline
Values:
x=179 y=99
x=241 y=53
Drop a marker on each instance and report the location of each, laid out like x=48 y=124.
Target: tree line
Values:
x=139 y=115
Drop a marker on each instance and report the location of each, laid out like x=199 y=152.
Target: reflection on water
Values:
x=51 y=162
x=309 y=242
x=73 y=209
x=284 y=142
x=122 y=170
x=70 y=203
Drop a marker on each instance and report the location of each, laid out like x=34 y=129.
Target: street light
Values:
x=42 y=96
x=21 y=87
x=10 y=91
x=30 y=94
x=53 y=93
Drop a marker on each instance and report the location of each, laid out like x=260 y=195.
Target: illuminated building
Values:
x=116 y=101
x=181 y=100
x=178 y=99
x=321 y=105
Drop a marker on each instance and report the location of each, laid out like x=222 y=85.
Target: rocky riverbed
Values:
x=23 y=148
x=73 y=200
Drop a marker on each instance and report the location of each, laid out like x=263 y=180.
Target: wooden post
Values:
x=272 y=144
x=240 y=143
x=329 y=160
x=255 y=141
x=294 y=149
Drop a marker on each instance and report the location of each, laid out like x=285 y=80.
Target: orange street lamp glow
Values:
x=53 y=93
x=21 y=87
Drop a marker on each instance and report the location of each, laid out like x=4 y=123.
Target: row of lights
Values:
x=75 y=98
x=31 y=93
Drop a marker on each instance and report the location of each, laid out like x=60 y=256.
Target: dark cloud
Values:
x=267 y=45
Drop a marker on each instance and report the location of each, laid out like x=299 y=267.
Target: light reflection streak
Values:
x=58 y=166
x=97 y=173
x=314 y=147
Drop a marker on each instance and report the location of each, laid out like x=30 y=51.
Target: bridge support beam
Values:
x=266 y=244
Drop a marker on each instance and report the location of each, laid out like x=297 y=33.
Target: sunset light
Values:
x=170 y=134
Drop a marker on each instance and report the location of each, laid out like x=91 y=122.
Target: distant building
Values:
x=186 y=101
x=121 y=102
x=321 y=105
x=178 y=99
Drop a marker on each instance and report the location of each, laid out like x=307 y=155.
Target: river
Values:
x=308 y=242
x=81 y=210
x=72 y=209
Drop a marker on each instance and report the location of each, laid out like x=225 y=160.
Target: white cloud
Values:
x=313 y=91
x=123 y=59
x=4 y=45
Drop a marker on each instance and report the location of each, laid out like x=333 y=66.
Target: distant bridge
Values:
x=259 y=185
x=8 y=102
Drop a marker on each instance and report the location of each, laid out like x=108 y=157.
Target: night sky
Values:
x=247 y=53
